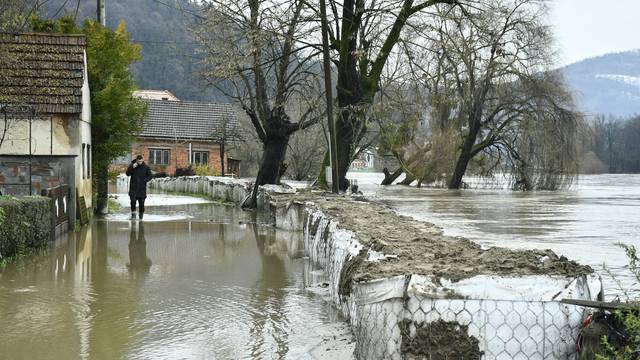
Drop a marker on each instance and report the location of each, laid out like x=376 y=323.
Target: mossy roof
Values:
x=43 y=70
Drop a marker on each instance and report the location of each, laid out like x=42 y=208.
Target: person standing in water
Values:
x=140 y=175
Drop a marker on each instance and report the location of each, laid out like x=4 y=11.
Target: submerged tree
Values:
x=486 y=71
x=255 y=53
x=364 y=34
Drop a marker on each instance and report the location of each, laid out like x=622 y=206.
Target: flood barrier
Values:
x=419 y=315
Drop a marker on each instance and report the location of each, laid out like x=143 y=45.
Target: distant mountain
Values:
x=608 y=84
x=170 y=58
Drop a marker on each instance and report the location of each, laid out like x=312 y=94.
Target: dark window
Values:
x=88 y=161
x=200 y=158
x=159 y=156
x=84 y=159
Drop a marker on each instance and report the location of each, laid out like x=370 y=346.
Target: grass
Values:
x=22 y=254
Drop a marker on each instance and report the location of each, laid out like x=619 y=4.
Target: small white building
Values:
x=45 y=116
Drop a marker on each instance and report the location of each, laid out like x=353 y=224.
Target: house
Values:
x=155 y=95
x=45 y=116
x=177 y=134
x=364 y=161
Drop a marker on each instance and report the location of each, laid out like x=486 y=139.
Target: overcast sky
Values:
x=586 y=28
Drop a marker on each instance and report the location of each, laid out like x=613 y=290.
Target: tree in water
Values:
x=486 y=71
x=364 y=35
x=255 y=53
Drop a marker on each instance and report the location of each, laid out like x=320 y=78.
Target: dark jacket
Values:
x=140 y=176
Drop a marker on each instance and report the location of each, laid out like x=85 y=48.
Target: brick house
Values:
x=177 y=134
x=45 y=116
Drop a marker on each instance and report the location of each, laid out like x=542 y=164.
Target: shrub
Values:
x=630 y=319
x=25 y=223
x=205 y=170
x=185 y=171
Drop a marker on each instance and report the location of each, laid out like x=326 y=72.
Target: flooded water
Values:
x=583 y=223
x=189 y=282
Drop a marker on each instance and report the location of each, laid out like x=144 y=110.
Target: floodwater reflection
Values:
x=213 y=284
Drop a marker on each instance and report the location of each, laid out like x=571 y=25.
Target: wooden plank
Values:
x=602 y=304
x=84 y=215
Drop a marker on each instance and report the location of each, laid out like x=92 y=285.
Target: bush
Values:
x=25 y=223
x=630 y=319
x=185 y=171
x=205 y=170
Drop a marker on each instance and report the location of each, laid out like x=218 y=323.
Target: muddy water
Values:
x=190 y=282
x=583 y=223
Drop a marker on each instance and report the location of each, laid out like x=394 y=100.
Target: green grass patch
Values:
x=113 y=206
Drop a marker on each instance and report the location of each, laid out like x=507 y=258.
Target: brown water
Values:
x=189 y=282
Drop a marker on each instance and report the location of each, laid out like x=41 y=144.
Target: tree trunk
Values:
x=465 y=157
x=275 y=150
x=408 y=179
x=222 y=158
x=102 y=197
x=390 y=178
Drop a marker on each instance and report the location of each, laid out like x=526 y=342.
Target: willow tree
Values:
x=254 y=53
x=487 y=66
x=363 y=35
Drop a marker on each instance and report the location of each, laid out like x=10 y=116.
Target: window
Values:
x=84 y=161
x=159 y=156
x=89 y=161
x=200 y=158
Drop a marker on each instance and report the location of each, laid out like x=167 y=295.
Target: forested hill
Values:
x=608 y=84
x=170 y=60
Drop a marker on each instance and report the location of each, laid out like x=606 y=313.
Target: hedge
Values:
x=25 y=223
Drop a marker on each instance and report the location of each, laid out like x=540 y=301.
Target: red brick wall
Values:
x=179 y=153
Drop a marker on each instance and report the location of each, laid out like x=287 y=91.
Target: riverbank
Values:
x=387 y=271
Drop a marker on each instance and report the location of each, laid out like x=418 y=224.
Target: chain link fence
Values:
x=392 y=319
x=425 y=328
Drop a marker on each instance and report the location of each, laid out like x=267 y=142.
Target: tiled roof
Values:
x=42 y=70
x=189 y=120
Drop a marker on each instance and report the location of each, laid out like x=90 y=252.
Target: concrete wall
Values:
x=285 y=215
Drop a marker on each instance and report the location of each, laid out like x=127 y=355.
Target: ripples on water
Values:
x=583 y=223
x=196 y=281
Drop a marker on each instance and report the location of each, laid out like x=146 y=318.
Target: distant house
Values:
x=364 y=161
x=177 y=134
x=45 y=115
x=155 y=95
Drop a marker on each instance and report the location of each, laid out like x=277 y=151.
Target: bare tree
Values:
x=306 y=152
x=363 y=35
x=227 y=134
x=486 y=69
x=254 y=53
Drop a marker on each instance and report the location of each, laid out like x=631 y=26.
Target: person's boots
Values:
x=133 y=215
x=140 y=215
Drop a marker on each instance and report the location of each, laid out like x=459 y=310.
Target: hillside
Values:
x=170 y=58
x=608 y=84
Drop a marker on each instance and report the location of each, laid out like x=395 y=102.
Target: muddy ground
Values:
x=421 y=247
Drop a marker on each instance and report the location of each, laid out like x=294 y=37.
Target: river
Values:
x=583 y=223
x=191 y=281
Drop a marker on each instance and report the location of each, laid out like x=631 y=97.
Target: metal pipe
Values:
x=333 y=153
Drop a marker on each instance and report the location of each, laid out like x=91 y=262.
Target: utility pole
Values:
x=100 y=13
x=327 y=88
